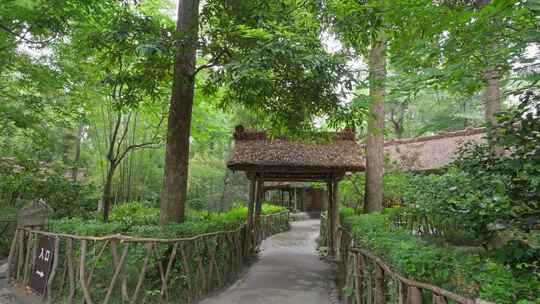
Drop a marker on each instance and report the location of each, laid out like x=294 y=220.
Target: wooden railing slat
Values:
x=82 y=273
x=414 y=295
x=116 y=273
x=53 y=271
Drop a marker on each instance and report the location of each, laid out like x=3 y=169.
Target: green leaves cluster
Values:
x=272 y=62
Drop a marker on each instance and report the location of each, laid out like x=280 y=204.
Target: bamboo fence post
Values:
x=359 y=277
x=56 y=257
x=64 y=276
x=349 y=281
x=116 y=273
x=26 y=271
x=437 y=299
x=143 y=273
x=71 y=270
x=414 y=295
x=11 y=256
x=160 y=269
x=401 y=294
x=186 y=268
x=202 y=273
x=21 y=255
x=100 y=253
x=82 y=273
x=218 y=274
x=164 y=287
x=379 y=285
x=115 y=260
x=369 y=284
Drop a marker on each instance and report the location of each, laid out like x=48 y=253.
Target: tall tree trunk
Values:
x=375 y=138
x=174 y=193
x=107 y=197
x=492 y=95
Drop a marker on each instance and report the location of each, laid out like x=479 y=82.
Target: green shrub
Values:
x=469 y=272
x=137 y=219
x=134 y=214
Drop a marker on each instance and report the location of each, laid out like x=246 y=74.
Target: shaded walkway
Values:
x=288 y=271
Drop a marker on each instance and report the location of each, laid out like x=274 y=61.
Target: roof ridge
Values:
x=240 y=133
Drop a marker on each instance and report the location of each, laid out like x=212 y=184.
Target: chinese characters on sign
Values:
x=42 y=265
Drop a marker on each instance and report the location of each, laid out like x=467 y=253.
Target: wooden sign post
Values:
x=42 y=264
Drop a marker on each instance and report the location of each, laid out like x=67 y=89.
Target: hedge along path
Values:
x=119 y=268
x=369 y=280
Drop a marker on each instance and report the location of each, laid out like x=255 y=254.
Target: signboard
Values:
x=42 y=264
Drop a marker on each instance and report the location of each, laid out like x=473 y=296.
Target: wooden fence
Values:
x=123 y=269
x=370 y=281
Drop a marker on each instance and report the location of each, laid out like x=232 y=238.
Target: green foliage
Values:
x=138 y=219
x=273 y=62
x=466 y=271
x=22 y=181
x=482 y=198
x=352 y=189
x=134 y=214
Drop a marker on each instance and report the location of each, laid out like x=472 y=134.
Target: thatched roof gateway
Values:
x=256 y=152
x=430 y=152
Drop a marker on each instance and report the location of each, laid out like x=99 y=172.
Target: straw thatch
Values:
x=256 y=152
x=430 y=152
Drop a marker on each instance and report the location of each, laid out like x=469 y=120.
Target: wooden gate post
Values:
x=335 y=214
x=258 y=208
x=249 y=225
x=330 y=220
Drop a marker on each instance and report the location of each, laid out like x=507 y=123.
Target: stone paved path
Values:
x=288 y=271
x=5 y=294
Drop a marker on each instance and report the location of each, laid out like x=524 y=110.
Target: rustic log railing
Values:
x=369 y=280
x=124 y=269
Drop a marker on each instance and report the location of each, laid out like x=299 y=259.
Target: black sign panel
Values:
x=42 y=264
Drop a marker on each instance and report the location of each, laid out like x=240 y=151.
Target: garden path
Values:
x=5 y=294
x=288 y=271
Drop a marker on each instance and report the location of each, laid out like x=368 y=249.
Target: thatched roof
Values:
x=430 y=152
x=256 y=152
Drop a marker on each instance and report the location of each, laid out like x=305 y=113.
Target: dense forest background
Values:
x=85 y=88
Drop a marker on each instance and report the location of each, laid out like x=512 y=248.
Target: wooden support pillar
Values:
x=295 y=199
x=249 y=224
x=330 y=218
x=335 y=212
x=258 y=208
